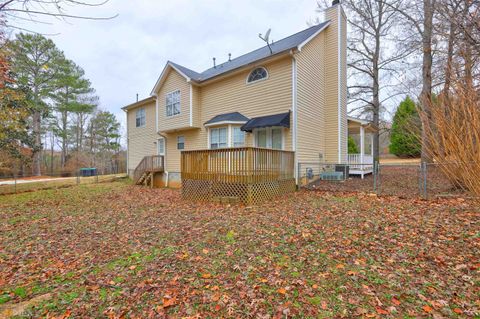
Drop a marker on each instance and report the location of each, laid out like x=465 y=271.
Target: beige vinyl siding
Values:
x=332 y=87
x=172 y=153
x=266 y=97
x=311 y=100
x=233 y=94
x=141 y=140
x=343 y=87
x=196 y=106
x=174 y=81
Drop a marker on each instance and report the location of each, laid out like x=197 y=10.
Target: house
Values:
x=289 y=96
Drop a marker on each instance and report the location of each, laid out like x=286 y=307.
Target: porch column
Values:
x=362 y=144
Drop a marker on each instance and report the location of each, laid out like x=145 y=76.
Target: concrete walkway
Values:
x=25 y=181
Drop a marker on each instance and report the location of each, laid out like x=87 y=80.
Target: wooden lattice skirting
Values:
x=254 y=193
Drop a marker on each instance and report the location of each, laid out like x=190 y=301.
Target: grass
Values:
x=112 y=250
x=54 y=184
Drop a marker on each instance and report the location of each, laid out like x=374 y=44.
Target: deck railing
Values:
x=247 y=173
x=355 y=161
x=238 y=165
x=153 y=163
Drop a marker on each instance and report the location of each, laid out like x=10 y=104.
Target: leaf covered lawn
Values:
x=121 y=251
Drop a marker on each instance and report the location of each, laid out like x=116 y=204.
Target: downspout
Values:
x=128 y=142
x=191 y=105
x=339 y=85
x=156 y=112
x=294 y=114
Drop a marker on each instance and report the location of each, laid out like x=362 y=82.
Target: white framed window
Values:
x=161 y=146
x=226 y=136
x=270 y=137
x=180 y=142
x=257 y=74
x=140 y=118
x=218 y=137
x=238 y=137
x=172 y=103
x=277 y=138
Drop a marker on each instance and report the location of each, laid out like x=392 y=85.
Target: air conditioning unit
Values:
x=332 y=176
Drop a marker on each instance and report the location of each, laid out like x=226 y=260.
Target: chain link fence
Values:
x=423 y=180
x=27 y=183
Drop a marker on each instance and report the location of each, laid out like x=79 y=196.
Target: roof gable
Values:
x=170 y=66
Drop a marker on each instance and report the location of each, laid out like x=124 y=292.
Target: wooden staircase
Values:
x=147 y=168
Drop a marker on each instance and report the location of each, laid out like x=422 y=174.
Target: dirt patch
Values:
x=18 y=309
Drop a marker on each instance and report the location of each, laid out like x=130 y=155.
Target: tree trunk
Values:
x=64 y=139
x=467 y=51
x=376 y=98
x=37 y=127
x=52 y=141
x=448 y=68
x=426 y=94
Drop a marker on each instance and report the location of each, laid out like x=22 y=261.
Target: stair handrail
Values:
x=148 y=163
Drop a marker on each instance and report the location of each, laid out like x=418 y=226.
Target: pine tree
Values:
x=405 y=138
x=34 y=66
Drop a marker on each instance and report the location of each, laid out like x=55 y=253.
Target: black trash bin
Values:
x=84 y=172
x=88 y=171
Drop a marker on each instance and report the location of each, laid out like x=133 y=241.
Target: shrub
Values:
x=405 y=138
x=352 y=146
x=453 y=131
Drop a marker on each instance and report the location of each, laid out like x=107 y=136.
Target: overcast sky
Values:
x=124 y=56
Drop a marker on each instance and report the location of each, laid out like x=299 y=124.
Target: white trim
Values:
x=301 y=45
x=208 y=138
x=156 y=113
x=225 y=123
x=191 y=105
x=294 y=116
x=181 y=149
x=360 y=121
x=229 y=136
x=164 y=146
x=128 y=142
x=259 y=80
x=163 y=74
x=230 y=141
x=268 y=133
x=339 y=87
x=180 y=103
x=144 y=117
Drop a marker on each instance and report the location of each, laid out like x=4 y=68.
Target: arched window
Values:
x=257 y=74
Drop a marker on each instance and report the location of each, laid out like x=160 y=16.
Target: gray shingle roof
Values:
x=280 y=46
x=282 y=119
x=234 y=117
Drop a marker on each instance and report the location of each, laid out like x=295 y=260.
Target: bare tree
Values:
x=38 y=11
x=418 y=16
x=373 y=52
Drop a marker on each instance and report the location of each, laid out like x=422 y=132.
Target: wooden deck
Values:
x=245 y=174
